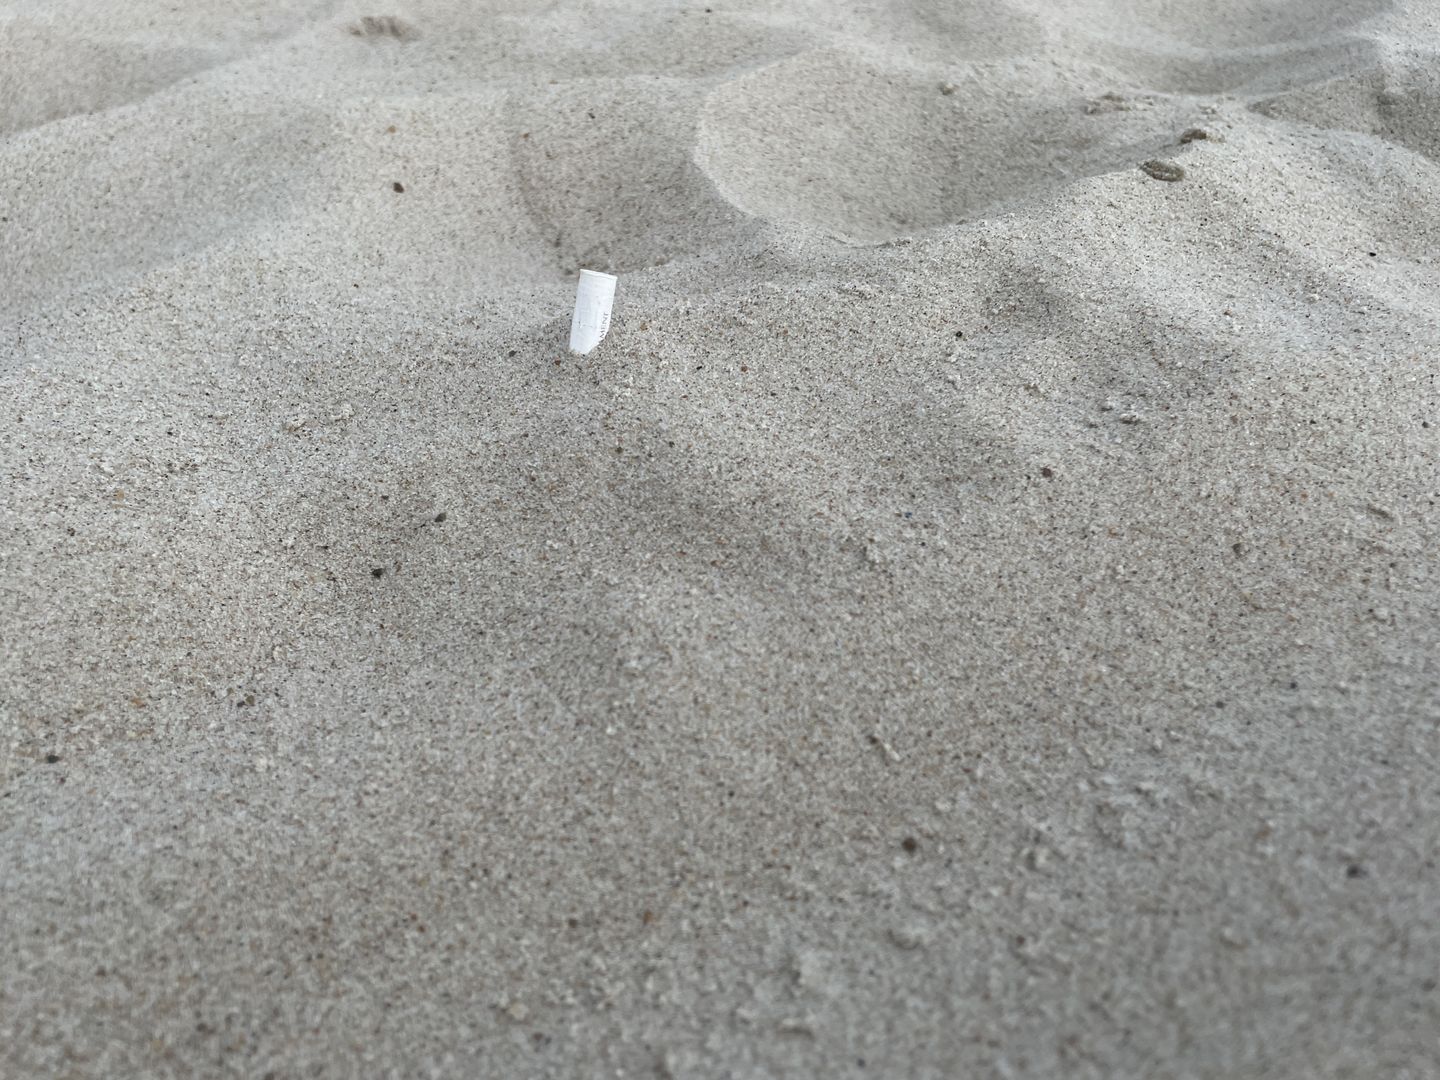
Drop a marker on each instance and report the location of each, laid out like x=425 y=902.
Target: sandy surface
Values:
x=978 y=614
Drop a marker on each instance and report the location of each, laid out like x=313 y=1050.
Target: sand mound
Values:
x=1396 y=101
x=607 y=177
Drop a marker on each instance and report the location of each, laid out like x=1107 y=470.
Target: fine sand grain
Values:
x=976 y=615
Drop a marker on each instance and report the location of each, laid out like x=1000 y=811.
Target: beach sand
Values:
x=977 y=614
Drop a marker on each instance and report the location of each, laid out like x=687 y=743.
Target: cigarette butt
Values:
x=594 y=297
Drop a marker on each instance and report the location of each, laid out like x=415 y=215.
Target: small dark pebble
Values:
x=910 y=844
x=398 y=186
x=51 y=759
x=1428 y=985
x=1163 y=170
x=1294 y=685
x=1190 y=135
x=1355 y=870
x=440 y=516
x=1047 y=472
x=379 y=571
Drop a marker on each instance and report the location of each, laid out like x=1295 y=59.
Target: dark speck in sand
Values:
x=1047 y=472
x=51 y=759
x=1355 y=870
x=378 y=572
x=1163 y=170
x=398 y=186
x=1190 y=135
x=440 y=516
x=910 y=844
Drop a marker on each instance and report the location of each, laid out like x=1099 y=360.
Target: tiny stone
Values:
x=910 y=844
x=908 y=938
x=1047 y=472
x=440 y=516
x=398 y=186
x=1355 y=870
x=378 y=572
x=1163 y=170
x=51 y=759
x=1193 y=134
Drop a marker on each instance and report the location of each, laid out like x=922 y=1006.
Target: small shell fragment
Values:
x=1163 y=170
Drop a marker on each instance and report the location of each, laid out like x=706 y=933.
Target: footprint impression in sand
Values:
x=832 y=141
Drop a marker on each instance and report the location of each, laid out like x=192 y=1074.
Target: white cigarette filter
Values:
x=594 y=298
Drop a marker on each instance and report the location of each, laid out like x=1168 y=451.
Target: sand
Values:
x=977 y=614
